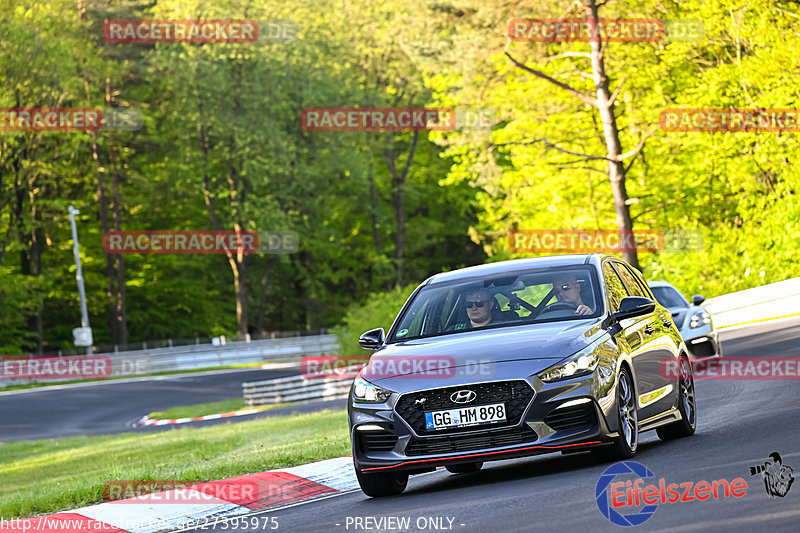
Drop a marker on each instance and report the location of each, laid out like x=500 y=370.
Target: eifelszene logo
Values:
x=778 y=477
x=631 y=493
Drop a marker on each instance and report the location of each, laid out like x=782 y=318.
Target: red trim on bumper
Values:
x=482 y=454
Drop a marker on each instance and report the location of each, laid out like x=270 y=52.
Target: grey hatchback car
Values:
x=566 y=353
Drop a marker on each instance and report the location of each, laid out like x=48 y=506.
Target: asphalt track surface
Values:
x=739 y=424
x=105 y=408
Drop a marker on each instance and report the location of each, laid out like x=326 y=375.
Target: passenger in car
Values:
x=567 y=290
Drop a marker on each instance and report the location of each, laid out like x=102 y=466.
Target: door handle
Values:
x=649 y=330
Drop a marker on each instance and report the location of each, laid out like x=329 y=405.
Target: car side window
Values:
x=615 y=291
x=634 y=289
x=642 y=283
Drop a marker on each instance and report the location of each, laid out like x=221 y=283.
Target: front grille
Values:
x=376 y=441
x=465 y=443
x=515 y=394
x=573 y=417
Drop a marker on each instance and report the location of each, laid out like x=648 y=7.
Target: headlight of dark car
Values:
x=580 y=364
x=699 y=318
x=366 y=392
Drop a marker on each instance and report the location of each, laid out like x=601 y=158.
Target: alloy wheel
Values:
x=627 y=413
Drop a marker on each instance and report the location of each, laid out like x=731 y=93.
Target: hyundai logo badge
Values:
x=463 y=396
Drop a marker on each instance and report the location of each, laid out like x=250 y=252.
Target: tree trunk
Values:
x=239 y=270
x=616 y=170
x=262 y=298
x=37 y=238
x=121 y=315
x=235 y=260
x=398 y=200
x=112 y=290
x=102 y=206
x=373 y=195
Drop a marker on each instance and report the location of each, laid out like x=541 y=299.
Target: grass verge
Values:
x=212 y=408
x=47 y=476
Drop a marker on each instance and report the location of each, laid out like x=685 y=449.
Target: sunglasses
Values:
x=478 y=304
x=562 y=288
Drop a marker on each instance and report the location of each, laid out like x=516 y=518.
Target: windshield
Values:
x=669 y=297
x=543 y=295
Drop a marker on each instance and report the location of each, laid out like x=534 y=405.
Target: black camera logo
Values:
x=778 y=477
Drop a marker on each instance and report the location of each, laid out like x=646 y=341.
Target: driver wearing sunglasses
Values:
x=567 y=290
x=479 y=304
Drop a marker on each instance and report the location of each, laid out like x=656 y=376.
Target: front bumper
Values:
x=702 y=342
x=566 y=416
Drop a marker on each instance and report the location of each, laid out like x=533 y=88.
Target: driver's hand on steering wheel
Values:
x=583 y=310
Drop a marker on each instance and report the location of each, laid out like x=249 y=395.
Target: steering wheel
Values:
x=557 y=306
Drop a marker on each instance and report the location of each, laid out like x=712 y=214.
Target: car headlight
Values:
x=699 y=318
x=580 y=364
x=364 y=391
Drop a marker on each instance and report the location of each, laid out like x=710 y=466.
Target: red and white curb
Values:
x=149 y=513
x=147 y=421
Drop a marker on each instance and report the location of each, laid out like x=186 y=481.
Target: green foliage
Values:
x=378 y=311
x=222 y=130
x=740 y=189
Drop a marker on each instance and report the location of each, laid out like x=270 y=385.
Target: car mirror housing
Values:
x=697 y=299
x=372 y=339
x=632 y=306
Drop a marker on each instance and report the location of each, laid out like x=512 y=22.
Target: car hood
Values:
x=512 y=352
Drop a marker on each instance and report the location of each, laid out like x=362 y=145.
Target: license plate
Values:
x=465 y=416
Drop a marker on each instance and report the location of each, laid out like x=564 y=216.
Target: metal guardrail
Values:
x=294 y=389
x=191 y=357
x=759 y=303
x=177 y=342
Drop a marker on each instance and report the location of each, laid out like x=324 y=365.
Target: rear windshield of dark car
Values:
x=669 y=297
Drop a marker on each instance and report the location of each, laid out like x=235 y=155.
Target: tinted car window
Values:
x=542 y=295
x=669 y=297
x=630 y=282
x=615 y=291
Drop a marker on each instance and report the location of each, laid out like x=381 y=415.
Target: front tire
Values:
x=625 y=444
x=686 y=426
x=382 y=484
x=466 y=468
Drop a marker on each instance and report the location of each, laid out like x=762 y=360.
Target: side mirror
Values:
x=697 y=299
x=632 y=306
x=372 y=339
